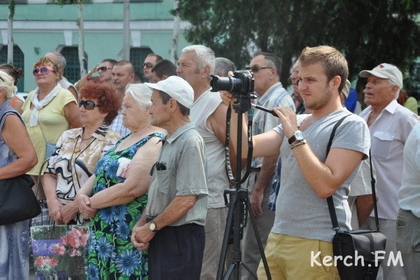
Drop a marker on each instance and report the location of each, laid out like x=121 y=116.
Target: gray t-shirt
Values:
x=181 y=171
x=300 y=212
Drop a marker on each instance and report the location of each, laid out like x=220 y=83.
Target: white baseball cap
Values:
x=385 y=71
x=178 y=88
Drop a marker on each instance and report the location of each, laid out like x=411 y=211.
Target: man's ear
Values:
x=335 y=82
x=172 y=104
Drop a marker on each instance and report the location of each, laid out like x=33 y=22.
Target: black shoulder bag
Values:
x=17 y=200
x=355 y=250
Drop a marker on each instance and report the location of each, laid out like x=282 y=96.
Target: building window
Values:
x=18 y=61
x=137 y=56
x=72 y=70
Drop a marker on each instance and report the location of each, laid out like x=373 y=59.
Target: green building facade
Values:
x=40 y=27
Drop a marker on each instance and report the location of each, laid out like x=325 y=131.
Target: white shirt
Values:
x=389 y=133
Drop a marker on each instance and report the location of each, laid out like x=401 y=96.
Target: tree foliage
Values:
x=368 y=32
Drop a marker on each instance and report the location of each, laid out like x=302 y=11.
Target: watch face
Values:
x=299 y=135
x=152 y=226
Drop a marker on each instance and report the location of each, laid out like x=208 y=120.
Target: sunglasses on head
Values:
x=104 y=68
x=256 y=68
x=148 y=65
x=88 y=104
x=42 y=70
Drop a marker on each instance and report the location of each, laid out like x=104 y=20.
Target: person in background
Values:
x=408 y=224
x=59 y=60
x=138 y=78
x=162 y=70
x=78 y=150
x=195 y=65
x=300 y=106
x=48 y=111
x=115 y=196
x=223 y=66
x=16 y=73
x=172 y=227
x=122 y=75
x=103 y=71
x=360 y=195
x=18 y=156
x=150 y=61
x=408 y=102
x=266 y=69
x=389 y=124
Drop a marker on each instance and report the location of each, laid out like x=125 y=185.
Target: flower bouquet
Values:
x=59 y=251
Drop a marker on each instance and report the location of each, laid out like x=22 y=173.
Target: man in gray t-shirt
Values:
x=302 y=225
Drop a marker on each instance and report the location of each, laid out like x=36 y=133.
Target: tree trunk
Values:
x=175 y=34
x=10 y=43
x=82 y=58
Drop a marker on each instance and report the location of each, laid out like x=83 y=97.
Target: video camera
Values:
x=241 y=85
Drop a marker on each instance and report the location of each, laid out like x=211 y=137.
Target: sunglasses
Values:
x=42 y=71
x=255 y=68
x=103 y=68
x=148 y=65
x=88 y=104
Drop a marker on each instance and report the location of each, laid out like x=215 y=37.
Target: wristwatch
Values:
x=153 y=227
x=296 y=137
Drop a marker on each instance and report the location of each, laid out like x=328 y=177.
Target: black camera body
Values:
x=241 y=85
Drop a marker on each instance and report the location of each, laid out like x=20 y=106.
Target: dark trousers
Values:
x=177 y=253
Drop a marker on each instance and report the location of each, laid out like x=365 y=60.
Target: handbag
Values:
x=356 y=251
x=17 y=200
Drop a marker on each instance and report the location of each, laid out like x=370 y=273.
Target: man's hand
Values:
x=256 y=202
x=141 y=236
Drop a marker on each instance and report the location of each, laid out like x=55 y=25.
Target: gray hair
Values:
x=141 y=93
x=61 y=60
x=205 y=56
x=223 y=66
x=7 y=82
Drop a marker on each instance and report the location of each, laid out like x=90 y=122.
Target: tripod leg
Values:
x=257 y=236
x=226 y=239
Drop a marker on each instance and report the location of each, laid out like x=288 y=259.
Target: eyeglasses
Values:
x=159 y=166
x=42 y=71
x=255 y=68
x=88 y=104
x=148 y=65
x=104 y=68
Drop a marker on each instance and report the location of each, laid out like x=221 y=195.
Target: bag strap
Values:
x=372 y=184
x=330 y=201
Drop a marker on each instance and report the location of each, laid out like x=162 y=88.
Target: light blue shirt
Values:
x=409 y=194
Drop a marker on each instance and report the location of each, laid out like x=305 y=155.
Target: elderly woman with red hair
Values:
x=78 y=150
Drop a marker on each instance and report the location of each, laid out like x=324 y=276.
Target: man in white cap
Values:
x=172 y=226
x=389 y=124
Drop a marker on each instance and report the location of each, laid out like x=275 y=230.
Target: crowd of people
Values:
x=142 y=161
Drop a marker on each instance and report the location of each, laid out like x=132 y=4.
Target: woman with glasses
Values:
x=78 y=150
x=48 y=111
x=116 y=195
x=17 y=157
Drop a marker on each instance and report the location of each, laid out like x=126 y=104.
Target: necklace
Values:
x=84 y=139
